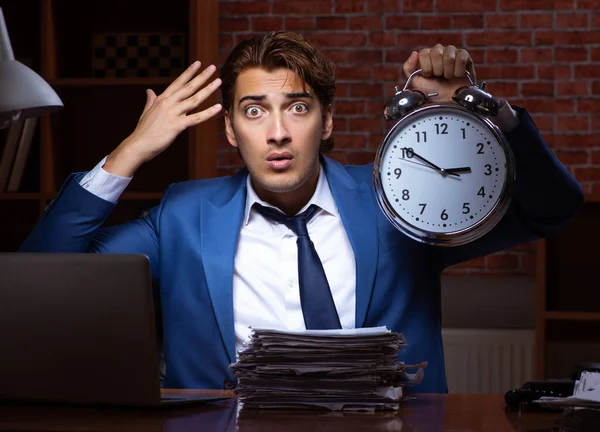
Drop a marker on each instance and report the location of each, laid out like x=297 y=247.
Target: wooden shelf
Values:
x=93 y=82
x=20 y=196
x=572 y=316
x=99 y=112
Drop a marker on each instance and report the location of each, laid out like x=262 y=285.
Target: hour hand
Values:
x=457 y=170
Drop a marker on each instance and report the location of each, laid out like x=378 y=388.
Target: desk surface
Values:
x=462 y=413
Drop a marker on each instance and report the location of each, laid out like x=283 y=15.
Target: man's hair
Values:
x=282 y=50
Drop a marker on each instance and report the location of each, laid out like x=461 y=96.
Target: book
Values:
x=16 y=175
x=10 y=149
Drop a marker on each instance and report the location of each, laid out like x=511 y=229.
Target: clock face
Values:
x=443 y=170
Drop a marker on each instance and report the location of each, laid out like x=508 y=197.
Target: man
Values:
x=224 y=264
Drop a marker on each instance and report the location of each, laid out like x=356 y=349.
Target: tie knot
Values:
x=295 y=223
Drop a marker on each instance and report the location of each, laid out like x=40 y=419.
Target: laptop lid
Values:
x=78 y=328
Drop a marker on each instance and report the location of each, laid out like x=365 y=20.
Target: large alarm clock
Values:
x=443 y=173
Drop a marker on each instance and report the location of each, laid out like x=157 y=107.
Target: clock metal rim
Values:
x=462 y=236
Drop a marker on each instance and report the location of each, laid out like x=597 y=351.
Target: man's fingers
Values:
x=425 y=62
x=192 y=86
x=469 y=66
x=410 y=65
x=460 y=65
x=437 y=60
x=182 y=79
x=449 y=62
x=202 y=116
x=197 y=98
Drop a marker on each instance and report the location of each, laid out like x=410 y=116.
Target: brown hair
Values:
x=282 y=50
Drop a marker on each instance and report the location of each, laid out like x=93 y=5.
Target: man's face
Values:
x=277 y=124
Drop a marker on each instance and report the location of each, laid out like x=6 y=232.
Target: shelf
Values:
x=75 y=38
x=20 y=196
x=93 y=82
x=572 y=316
x=93 y=66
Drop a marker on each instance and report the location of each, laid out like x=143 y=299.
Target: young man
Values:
x=225 y=265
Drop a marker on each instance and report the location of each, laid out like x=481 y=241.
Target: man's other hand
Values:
x=442 y=70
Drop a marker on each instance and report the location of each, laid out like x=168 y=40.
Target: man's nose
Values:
x=278 y=133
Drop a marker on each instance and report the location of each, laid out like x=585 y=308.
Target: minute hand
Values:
x=432 y=165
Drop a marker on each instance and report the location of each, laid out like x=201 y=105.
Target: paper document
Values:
x=349 y=369
x=586 y=393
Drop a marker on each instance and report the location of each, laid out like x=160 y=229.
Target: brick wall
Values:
x=540 y=54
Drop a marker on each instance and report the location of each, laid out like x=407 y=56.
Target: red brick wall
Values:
x=540 y=54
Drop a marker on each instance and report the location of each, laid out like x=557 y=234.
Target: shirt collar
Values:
x=322 y=197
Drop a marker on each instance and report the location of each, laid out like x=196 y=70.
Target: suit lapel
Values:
x=357 y=209
x=221 y=219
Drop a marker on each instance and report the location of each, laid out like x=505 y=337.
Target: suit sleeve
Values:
x=73 y=223
x=544 y=199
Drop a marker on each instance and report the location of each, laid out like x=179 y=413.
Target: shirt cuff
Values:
x=103 y=184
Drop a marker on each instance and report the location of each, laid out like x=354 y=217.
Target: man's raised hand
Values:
x=164 y=117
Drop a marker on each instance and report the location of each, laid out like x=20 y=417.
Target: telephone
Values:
x=523 y=397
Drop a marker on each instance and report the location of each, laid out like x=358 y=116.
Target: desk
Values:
x=425 y=413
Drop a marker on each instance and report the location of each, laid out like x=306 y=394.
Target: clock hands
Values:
x=443 y=171
x=422 y=164
x=458 y=170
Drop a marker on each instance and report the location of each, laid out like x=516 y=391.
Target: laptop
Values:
x=80 y=328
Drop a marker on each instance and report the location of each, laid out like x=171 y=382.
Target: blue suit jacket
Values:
x=191 y=237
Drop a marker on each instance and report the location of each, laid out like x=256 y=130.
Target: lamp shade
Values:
x=23 y=93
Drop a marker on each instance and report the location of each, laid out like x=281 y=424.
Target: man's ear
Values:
x=327 y=123
x=229 y=130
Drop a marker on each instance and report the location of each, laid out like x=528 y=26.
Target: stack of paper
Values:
x=350 y=369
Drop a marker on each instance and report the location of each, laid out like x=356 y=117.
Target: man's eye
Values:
x=253 y=111
x=299 y=108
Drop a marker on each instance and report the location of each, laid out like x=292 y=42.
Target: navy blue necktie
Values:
x=317 y=303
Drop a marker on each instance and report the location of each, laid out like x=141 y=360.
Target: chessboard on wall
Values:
x=137 y=55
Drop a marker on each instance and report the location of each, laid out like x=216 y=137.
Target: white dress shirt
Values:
x=265 y=277
x=103 y=184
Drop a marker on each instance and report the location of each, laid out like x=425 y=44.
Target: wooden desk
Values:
x=425 y=413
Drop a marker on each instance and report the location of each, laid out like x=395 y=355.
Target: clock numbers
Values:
x=444 y=215
x=419 y=134
x=405 y=195
x=441 y=129
x=397 y=171
x=481 y=192
x=464 y=133
x=422 y=208
x=407 y=152
x=488 y=169
x=479 y=148
x=466 y=208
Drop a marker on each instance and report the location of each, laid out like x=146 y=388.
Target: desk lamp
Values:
x=23 y=93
